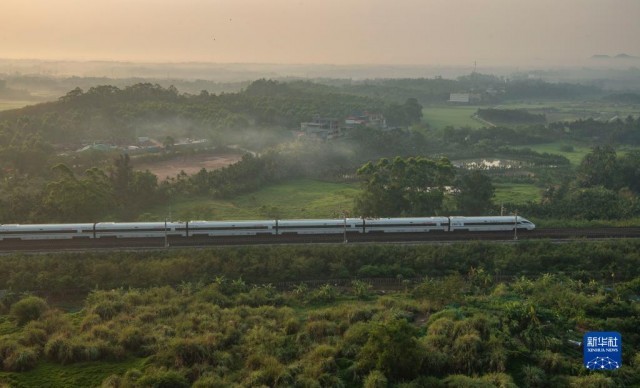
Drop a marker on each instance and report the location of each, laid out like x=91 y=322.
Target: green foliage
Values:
x=375 y=379
x=392 y=348
x=408 y=187
x=605 y=188
x=475 y=193
x=599 y=168
x=488 y=336
x=28 y=309
x=404 y=115
x=360 y=288
x=162 y=379
x=20 y=359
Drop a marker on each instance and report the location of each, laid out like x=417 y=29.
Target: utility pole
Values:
x=166 y=238
x=515 y=227
x=344 y=214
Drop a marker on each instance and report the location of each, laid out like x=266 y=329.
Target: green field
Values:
x=456 y=116
x=575 y=110
x=461 y=116
x=297 y=199
x=82 y=374
x=575 y=156
x=516 y=193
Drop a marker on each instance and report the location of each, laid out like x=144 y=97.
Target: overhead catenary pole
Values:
x=166 y=238
x=345 y=227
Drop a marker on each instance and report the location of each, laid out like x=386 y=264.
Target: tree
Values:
x=74 y=199
x=404 y=115
x=599 y=168
x=393 y=349
x=413 y=110
x=413 y=186
x=629 y=168
x=169 y=143
x=121 y=178
x=475 y=193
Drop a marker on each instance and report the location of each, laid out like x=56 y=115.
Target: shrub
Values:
x=318 y=330
x=21 y=359
x=28 y=309
x=162 y=379
x=112 y=381
x=54 y=321
x=68 y=350
x=375 y=379
x=134 y=339
x=33 y=336
x=211 y=382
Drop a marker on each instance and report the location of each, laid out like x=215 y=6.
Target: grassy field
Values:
x=575 y=110
x=516 y=193
x=298 y=199
x=575 y=156
x=83 y=374
x=456 y=116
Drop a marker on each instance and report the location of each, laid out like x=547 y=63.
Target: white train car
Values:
x=230 y=228
x=139 y=229
x=45 y=231
x=322 y=226
x=406 y=225
x=490 y=224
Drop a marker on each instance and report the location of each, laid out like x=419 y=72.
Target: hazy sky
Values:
x=435 y=32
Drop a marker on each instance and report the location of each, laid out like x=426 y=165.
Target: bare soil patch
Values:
x=190 y=164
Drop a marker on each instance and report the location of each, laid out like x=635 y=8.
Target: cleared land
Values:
x=190 y=164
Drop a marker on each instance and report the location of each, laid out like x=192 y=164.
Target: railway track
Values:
x=173 y=241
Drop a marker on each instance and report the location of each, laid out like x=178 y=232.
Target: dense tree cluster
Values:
x=489 y=87
x=605 y=186
x=118 y=192
x=416 y=186
x=618 y=131
x=407 y=187
x=112 y=114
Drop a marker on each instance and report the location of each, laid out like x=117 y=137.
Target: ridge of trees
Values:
x=406 y=187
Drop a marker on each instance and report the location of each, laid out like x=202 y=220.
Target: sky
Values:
x=412 y=32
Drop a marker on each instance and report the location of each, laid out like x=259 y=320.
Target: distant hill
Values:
x=625 y=56
x=619 y=56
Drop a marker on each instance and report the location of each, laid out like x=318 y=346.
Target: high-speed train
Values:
x=267 y=227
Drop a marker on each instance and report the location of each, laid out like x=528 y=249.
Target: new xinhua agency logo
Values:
x=602 y=350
